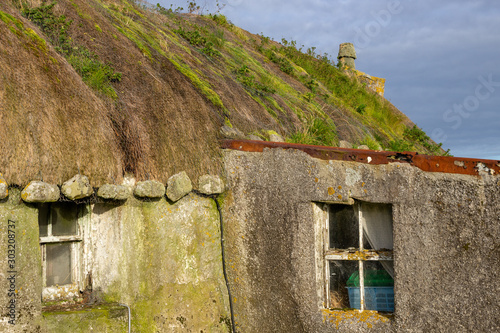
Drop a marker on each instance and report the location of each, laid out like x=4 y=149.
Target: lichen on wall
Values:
x=20 y=266
x=99 y=319
x=163 y=259
x=346 y=318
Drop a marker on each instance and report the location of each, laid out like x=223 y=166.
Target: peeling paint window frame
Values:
x=71 y=290
x=359 y=254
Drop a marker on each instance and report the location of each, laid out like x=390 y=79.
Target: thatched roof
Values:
x=169 y=106
x=54 y=126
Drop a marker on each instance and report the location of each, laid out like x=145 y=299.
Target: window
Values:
x=359 y=242
x=60 y=242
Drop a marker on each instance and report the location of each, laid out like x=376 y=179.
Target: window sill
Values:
x=65 y=292
x=86 y=318
x=367 y=318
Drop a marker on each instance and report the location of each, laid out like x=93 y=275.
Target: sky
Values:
x=440 y=59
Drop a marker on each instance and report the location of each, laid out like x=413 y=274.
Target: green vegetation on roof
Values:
x=163 y=83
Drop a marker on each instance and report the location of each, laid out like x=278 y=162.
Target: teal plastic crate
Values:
x=373 y=278
x=376 y=298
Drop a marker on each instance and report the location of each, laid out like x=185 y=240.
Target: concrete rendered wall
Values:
x=20 y=266
x=162 y=259
x=446 y=231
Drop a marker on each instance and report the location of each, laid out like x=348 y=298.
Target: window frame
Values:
x=358 y=254
x=76 y=254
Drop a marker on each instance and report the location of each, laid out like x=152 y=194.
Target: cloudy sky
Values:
x=441 y=59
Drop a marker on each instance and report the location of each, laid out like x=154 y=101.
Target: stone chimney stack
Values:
x=347 y=54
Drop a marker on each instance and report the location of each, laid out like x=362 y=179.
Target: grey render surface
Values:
x=446 y=230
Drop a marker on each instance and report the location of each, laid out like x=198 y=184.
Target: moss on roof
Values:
x=109 y=87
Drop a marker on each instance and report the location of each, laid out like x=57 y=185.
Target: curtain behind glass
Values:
x=376 y=220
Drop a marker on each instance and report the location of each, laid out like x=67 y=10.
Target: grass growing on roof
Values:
x=94 y=73
x=316 y=131
x=341 y=86
x=203 y=86
x=36 y=43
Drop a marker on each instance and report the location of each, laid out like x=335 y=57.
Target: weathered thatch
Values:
x=54 y=125
x=168 y=108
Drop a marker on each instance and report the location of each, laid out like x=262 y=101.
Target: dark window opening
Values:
x=360 y=244
x=59 y=241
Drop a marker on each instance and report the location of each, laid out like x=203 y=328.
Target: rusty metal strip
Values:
x=446 y=164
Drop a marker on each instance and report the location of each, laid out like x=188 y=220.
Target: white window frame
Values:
x=73 y=289
x=358 y=254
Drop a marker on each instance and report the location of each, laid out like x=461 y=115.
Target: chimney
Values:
x=347 y=54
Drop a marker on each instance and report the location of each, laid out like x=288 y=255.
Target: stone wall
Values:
x=446 y=231
x=154 y=248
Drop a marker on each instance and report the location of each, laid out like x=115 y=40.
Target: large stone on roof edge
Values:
x=231 y=132
x=209 y=184
x=38 y=191
x=77 y=187
x=113 y=192
x=254 y=137
x=149 y=189
x=275 y=137
x=4 y=188
x=345 y=144
x=178 y=186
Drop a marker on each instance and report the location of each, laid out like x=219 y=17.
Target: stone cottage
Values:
x=277 y=244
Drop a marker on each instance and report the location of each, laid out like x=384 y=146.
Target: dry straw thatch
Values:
x=166 y=111
x=54 y=126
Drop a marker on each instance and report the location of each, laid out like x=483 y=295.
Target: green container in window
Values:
x=373 y=278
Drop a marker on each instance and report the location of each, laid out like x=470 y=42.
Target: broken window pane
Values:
x=58 y=257
x=64 y=219
x=344 y=228
x=340 y=271
x=43 y=219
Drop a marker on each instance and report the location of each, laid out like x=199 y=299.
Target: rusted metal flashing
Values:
x=446 y=164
